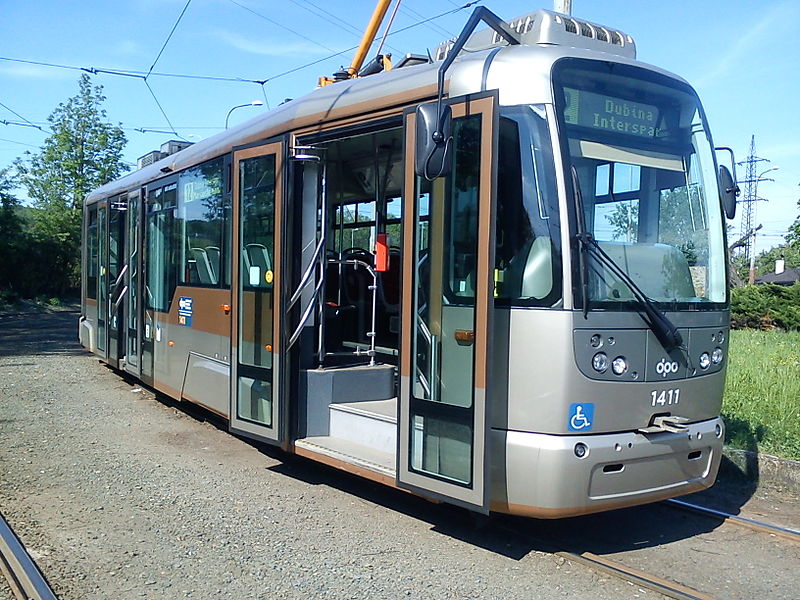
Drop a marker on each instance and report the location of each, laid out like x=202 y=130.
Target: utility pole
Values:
x=751 y=182
x=750 y=199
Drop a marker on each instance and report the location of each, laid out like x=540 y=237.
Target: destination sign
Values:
x=608 y=113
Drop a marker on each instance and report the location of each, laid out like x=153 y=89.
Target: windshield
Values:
x=645 y=168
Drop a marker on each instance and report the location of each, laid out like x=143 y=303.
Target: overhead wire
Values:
x=161 y=108
x=169 y=37
x=316 y=10
x=16 y=142
x=401 y=30
x=333 y=16
x=29 y=123
x=160 y=52
x=144 y=75
x=141 y=74
x=432 y=26
x=282 y=26
x=130 y=72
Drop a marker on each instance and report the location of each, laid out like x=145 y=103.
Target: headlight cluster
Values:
x=715 y=358
x=600 y=363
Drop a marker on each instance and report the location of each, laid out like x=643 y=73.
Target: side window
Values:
x=202 y=223
x=162 y=247
x=461 y=212
x=257 y=222
x=92 y=264
x=528 y=233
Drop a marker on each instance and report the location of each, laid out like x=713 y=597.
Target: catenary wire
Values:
x=11 y=110
x=261 y=82
x=160 y=52
x=316 y=10
x=333 y=16
x=274 y=22
x=141 y=74
x=414 y=14
x=161 y=108
x=169 y=37
x=16 y=142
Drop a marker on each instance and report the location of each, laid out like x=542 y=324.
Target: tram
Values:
x=495 y=277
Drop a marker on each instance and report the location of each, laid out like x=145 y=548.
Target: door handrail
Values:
x=306 y=314
x=119 y=300
x=313 y=263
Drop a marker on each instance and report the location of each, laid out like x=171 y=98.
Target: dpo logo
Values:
x=665 y=367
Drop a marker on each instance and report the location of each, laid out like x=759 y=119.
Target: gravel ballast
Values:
x=119 y=494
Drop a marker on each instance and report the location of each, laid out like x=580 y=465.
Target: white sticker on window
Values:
x=255 y=275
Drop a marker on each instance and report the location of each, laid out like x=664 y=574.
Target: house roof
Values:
x=788 y=277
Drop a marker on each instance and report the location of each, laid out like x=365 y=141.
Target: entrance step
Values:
x=372 y=424
x=322 y=387
x=351 y=453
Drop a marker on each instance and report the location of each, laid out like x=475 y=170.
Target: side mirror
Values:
x=433 y=141
x=728 y=191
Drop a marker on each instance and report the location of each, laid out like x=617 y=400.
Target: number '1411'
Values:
x=664 y=397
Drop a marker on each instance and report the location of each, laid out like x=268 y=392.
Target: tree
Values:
x=11 y=234
x=793 y=237
x=82 y=152
x=10 y=222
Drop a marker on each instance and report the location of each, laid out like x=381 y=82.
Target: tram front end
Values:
x=611 y=305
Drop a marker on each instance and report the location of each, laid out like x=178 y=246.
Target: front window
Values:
x=638 y=149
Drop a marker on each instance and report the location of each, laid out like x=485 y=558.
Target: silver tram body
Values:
x=501 y=365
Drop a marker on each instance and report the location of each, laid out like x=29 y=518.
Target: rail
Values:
x=25 y=579
x=784 y=532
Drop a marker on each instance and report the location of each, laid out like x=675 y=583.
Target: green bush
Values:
x=766 y=306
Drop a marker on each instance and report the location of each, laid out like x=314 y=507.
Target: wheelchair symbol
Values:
x=581 y=417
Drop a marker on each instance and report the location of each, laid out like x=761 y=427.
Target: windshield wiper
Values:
x=664 y=330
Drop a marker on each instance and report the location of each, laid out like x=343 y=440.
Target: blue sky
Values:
x=741 y=56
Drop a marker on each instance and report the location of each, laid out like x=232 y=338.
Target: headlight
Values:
x=716 y=356
x=600 y=362
x=619 y=365
x=705 y=360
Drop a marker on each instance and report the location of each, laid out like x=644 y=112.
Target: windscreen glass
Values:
x=638 y=149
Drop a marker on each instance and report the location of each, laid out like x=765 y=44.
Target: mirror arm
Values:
x=481 y=13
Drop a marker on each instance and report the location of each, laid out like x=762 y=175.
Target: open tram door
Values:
x=448 y=295
x=131 y=317
x=258 y=399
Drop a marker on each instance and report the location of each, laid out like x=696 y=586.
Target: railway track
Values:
x=783 y=532
x=24 y=578
x=666 y=587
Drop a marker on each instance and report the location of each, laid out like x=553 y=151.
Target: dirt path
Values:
x=121 y=495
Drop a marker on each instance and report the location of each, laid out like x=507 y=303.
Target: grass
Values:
x=762 y=395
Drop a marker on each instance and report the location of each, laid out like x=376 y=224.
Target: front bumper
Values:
x=539 y=475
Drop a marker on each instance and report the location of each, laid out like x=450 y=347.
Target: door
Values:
x=258 y=406
x=117 y=284
x=102 y=280
x=133 y=305
x=447 y=307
